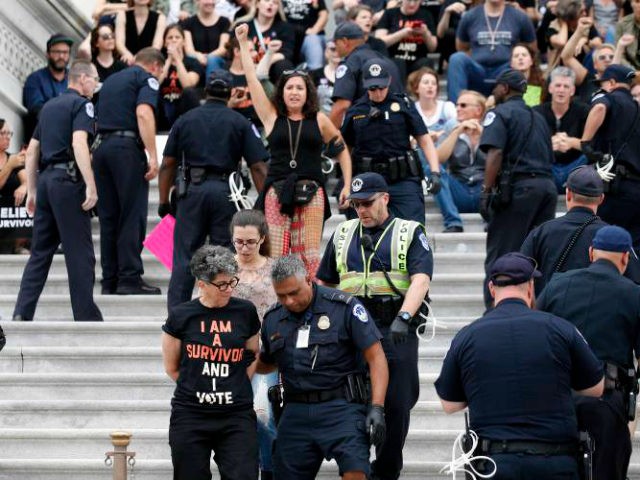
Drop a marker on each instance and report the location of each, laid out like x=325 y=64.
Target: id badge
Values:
x=303 y=337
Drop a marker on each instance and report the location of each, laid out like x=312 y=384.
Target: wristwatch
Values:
x=406 y=316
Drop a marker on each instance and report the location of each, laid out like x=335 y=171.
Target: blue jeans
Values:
x=213 y=63
x=313 y=51
x=466 y=73
x=444 y=199
x=561 y=172
x=266 y=422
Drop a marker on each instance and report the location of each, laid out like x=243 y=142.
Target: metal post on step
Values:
x=119 y=458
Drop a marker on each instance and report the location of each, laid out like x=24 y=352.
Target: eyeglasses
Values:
x=364 y=203
x=251 y=243
x=299 y=73
x=224 y=286
x=59 y=52
x=605 y=57
x=5 y=133
x=107 y=36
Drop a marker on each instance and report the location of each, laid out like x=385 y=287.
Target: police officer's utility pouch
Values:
x=181 y=181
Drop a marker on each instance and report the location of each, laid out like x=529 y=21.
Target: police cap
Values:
x=513 y=268
x=58 y=38
x=619 y=73
x=375 y=75
x=219 y=80
x=612 y=239
x=348 y=30
x=513 y=79
x=366 y=185
x=584 y=180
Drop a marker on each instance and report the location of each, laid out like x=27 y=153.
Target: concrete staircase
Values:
x=65 y=386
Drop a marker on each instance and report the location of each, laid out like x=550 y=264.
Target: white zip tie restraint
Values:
x=241 y=201
x=421 y=331
x=463 y=462
x=605 y=170
x=327 y=164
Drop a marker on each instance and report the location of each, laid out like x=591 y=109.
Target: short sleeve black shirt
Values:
x=413 y=47
x=206 y=39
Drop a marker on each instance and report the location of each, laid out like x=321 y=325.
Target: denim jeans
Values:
x=266 y=422
x=561 y=172
x=313 y=51
x=444 y=200
x=213 y=63
x=466 y=73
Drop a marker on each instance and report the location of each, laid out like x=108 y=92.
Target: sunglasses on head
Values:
x=292 y=73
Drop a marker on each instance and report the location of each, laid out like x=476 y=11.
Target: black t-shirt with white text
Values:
x=213 y=368
x=413 y=47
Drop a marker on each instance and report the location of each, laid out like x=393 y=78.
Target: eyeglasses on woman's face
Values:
x=225 y=286
x=250 y=243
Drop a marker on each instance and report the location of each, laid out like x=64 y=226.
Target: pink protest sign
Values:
x=160 y=241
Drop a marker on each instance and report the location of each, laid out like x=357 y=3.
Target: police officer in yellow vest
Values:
x=387 y=263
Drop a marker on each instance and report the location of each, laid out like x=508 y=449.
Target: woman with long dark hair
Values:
x=525 y=60
x=294 y=200
x=138 y=27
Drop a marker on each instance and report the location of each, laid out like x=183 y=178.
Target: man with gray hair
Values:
x=319 y=338
x=566 y=117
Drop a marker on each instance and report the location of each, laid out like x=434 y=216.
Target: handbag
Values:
x=303 y=191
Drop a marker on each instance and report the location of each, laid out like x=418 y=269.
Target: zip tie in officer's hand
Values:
x=604 y=167
x=421 y=330
x=463 y=462
x=241 y=201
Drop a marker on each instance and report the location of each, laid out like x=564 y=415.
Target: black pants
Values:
x=621 y=207
x=605 y=419
x=512 y=466
x=204 y=212
x=533 y=202
x=232 y=437
x=123 y=197
x=59 y=218
x=402 y=395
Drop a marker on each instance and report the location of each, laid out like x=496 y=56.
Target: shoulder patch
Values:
x=597 y=96
x=338 y=297
x=341 y=71
x=488 y=119
x=153 y=83
x=272 y=308
x=360 y=313
x=423 y=240
x=255 y=130
x=88 y=107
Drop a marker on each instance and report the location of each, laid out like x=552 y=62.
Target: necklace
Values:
x=293 y=148
x=492 y=32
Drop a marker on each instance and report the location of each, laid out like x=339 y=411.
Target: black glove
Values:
x=376 y=425
x=399 y=330
x=485 y=206
x=592 y=155
x=434 y=184
x=164 y=209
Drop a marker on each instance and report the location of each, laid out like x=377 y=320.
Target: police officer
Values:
x=613 y=127
x=387 y=264
x=318 y=336
x=378 y=128
x=518 y=191
x=62 y=195
x=515 y=369
x=126 y=127
x=586 y=297
x=351 y=46
x=211 y=140
x=563 y=243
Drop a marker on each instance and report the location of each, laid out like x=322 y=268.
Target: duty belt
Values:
x=528 y=175
x=197 y=175
x=383 y=308
x=354 y=390
x=494 y=447
x=317 y=396
x=392 y=168
x=119 y=133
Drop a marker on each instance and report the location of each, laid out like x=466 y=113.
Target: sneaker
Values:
x=141 y=289
x=453 y=229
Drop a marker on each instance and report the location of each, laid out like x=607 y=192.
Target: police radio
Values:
x=181 y=183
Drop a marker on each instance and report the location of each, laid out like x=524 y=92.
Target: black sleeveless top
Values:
x=135 y=42
x=308 y=159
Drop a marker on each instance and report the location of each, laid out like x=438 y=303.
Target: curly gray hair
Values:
x=212 y=260
x=289 y=266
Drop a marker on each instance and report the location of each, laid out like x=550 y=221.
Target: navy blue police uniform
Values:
x=59 y=216
x=379 y=137
x=525 y=141
x=212 y=139
x=318 y=422
x=120 y=164
x=404 y=384
x=515 y=368
x=583 y=297
x=619 y=135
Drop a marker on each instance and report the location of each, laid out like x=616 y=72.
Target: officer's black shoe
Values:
x=453 y=229
x=20 y=318
x=108 y=290
x=141 y=289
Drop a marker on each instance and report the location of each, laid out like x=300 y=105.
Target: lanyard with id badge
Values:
x=302 y=340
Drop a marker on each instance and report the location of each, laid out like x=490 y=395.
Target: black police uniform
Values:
x=120 y=164
x=515 y=369
x=59 y=216
x=212 y=139
x=379 y=137
x=318 y=422
x=404 y=382
x=525 y=141
x=348 y=85
x=620 y=136
x=212 y=406
x=587 y=298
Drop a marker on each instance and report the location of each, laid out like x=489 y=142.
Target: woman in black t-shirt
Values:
x=204 y=348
